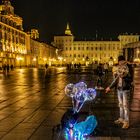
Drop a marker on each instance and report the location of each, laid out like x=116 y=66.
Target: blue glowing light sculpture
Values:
x=85 y=127
x=81 y=129
x=79 y=94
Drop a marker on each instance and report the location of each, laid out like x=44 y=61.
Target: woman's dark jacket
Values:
x=126 y=83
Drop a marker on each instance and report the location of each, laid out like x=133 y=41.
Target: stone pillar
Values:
x=125 y=53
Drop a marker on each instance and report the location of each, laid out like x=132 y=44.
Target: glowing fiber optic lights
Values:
x=79 y=94
x=82 y=129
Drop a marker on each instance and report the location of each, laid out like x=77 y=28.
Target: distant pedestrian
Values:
x=7 y=67
x=46 y=65
x=75 y=65
x=100 y=74
x=12 y=67
x=46 y=68
x=4 y=67
x=106 y=68
x=122 y=82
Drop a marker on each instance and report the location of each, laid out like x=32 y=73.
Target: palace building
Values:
x=73 y=51
x=131 y=51
x=13 y=41
x=17 y=47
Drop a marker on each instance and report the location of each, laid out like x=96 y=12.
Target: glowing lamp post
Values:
x=34 y=60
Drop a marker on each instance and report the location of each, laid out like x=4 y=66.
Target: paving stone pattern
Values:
x=32 y=102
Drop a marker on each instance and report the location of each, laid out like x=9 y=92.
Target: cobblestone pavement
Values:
x=32 y=102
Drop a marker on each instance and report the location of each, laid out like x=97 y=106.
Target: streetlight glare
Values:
x=34 y=59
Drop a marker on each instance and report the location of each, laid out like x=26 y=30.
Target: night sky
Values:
x=108 y=18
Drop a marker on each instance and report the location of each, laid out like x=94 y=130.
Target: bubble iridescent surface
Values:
x=90 y=94
x=81 y=86
x=80 y=96
x=70 y=90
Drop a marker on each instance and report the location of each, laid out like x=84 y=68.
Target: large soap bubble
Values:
x=81 y=86
x=80 y=96
x=70 y=90
x=90 y=94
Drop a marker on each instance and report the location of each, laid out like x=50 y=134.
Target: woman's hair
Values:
x=121 y=58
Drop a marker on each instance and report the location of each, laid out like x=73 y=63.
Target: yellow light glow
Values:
x=60 y=58
x=45 y=59
x=137 y=60
x=50 y=63
x=54 y=59
x=1 y=54
x=20 y=58
x=34 y=59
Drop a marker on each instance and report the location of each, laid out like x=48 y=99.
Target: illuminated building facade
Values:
x=18 y=48
x=13 y=41
x=34 y=34
x=90 y=51
x=132 y=51
x=49 y=53
x=42 y=53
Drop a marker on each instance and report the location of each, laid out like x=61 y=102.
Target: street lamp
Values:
x=34 y=60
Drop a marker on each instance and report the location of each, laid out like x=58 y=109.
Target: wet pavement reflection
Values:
x=32 y=102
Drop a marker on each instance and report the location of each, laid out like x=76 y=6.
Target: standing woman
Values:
x=122 y=83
